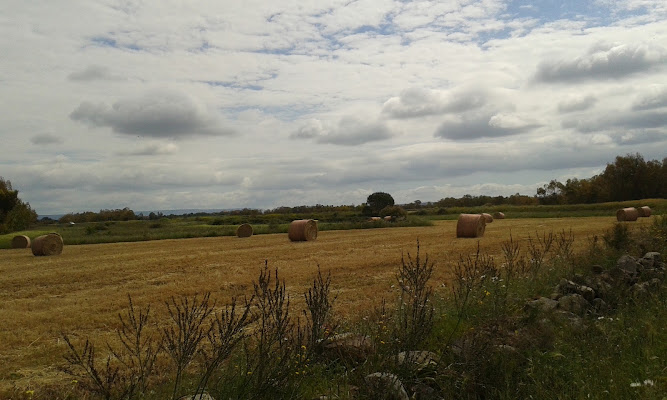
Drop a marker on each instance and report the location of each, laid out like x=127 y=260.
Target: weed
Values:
x=415 y=316
x=189 y=327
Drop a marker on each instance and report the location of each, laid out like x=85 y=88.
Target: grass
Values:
x=658 y=206
x=180 y=228
x=82 y=292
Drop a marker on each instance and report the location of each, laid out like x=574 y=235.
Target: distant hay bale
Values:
x=20 y=242
x=498 y=215
x=243 y=231
x=47 y=245
x=373 y=219
x=627 y=214
x=388 y=218
x=487 y=217
x=302 y=230
x=644 y=211
x=470 y=226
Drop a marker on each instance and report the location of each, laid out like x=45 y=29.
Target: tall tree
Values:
x=15 y=215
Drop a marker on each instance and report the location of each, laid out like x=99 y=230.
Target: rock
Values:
x=383 y=385
x=349 y=347
x=506 y=349
x=574 y=303
x=542 y=304
x=597 y=269
x=599 y=285
x=628 y=265
x=653 y=257
x=417 y=360
x=639 y=290
x=421 y=391
x=569 y=318
x=600 y=306
x=566 y=287
x=203 y=396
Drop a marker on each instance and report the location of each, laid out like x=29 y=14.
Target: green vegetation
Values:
x=14 y=213
x=484 y=336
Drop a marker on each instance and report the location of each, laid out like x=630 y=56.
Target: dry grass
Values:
x=82 y=291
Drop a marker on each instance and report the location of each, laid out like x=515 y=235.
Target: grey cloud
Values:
x=153 y=149
x=46 y=139
x=484 y=125
x=350 y=131
x=576 y=104
x=603 y=62
x=636 y=120
x=93 y=73
x=159 y=114
x=418 y=102
x=655 y=99
x=641 y=137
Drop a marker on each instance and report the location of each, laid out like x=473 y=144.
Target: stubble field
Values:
x=82 y=291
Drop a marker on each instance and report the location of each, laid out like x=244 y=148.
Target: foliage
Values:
x=377 y=201
x=15 y=215
x=395 y=212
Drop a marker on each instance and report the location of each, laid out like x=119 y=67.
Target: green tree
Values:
x=15 y=215
x=379 y=200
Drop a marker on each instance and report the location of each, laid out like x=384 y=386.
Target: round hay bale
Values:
x=487 y=217
x=302 y=230
x=627 y=214
x=243 y=231
x=50 y=244
x=470 y=226
x=373 y=219
x=644 y=212
x=20 y=242
x=389 y=218
x=498 y=215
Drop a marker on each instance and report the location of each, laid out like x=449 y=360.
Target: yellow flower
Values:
x=30 y=392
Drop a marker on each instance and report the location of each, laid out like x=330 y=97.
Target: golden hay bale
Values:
x=498 y=215
x=243 y=231
x=373 y=219
x=20 y=242
x=301 y=230
x=487 y=217
x=388 y=218
x=470 y=226
x=644 y=211
x=50 y=244
x=627 y=214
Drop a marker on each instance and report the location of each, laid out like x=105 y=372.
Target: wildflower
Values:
x=486 y=293
x=30 y=392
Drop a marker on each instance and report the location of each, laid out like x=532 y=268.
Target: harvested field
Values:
x=83 y=290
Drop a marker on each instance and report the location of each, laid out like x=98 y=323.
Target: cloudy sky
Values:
x=161 y=104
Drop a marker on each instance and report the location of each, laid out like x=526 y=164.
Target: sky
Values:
x=161 y=104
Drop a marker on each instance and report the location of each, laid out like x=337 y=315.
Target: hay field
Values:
x=83 y=290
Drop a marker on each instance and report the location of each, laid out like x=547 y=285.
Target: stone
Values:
x=203 y=396
x=628 y=265
x=597 y=269
x=417 y=360
x=566 y=287
x=542 y=304
x=349 y=347
x=600 y=306
x=574 y=303
x=386 y=386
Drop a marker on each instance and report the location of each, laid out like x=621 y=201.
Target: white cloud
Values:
x=330 y=100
